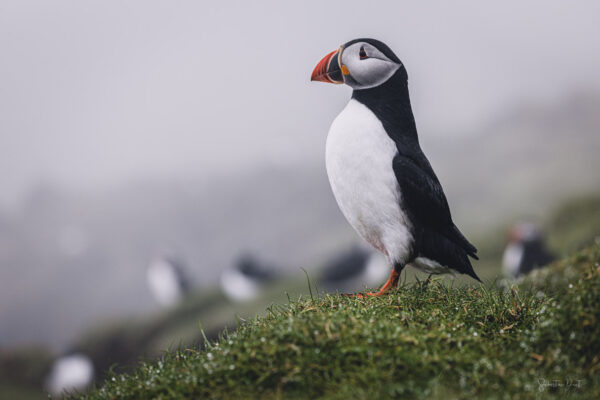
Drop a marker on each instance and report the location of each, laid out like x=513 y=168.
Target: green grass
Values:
x=123 y=342
x=425 y=340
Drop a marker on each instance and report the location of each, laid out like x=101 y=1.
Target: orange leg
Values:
x=391 y=283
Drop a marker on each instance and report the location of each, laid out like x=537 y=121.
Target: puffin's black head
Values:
x=524 y=232
x=360 y=63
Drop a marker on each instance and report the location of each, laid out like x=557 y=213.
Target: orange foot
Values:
x=391 y=283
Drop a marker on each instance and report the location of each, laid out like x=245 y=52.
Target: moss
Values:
x=425 y=340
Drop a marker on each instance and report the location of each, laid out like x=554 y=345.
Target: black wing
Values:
x=436 y=236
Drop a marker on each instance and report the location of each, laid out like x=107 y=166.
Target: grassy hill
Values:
x=425 y=340
x=122 y=342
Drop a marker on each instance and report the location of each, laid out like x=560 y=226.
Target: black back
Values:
x=345 y=266
x=379 y=45
x=252 y=268
x=423 y=199
x=535 y=255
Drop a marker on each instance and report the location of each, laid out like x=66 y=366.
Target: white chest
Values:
x=511 y=259
x=359 y=156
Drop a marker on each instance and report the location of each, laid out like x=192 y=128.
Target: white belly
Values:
x=511 y=260
x=359 y=157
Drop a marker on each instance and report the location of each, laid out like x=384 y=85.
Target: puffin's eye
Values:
x=362 y=53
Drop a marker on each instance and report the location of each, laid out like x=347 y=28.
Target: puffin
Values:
x=525 y=251
x=245 y=281
x=381 y=179
x=167 y=280
x=70 y=372
x=353 y=268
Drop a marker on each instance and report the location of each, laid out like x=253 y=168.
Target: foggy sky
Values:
x=97 y=93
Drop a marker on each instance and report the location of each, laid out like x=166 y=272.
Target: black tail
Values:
x=460 y=239
x=447 y=252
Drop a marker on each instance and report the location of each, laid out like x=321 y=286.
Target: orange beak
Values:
x=328 y=69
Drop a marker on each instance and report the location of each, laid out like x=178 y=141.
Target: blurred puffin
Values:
x=353 y=268
x=167 y=281
x=525 y=251
x=245 y=280
x=381 y=180
x=72 y=371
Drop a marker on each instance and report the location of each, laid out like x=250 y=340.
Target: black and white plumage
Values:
x=352 y=269
x=380 y=177
x=73 y=371
x=525 y=251
x=167 y=281
x=246 y=279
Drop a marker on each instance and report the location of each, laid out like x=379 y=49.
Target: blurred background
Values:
x=162 y=164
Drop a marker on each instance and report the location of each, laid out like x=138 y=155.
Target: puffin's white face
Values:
x=363 y=66
x=360 y=64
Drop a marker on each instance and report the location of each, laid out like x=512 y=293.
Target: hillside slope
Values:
x=425 y=340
